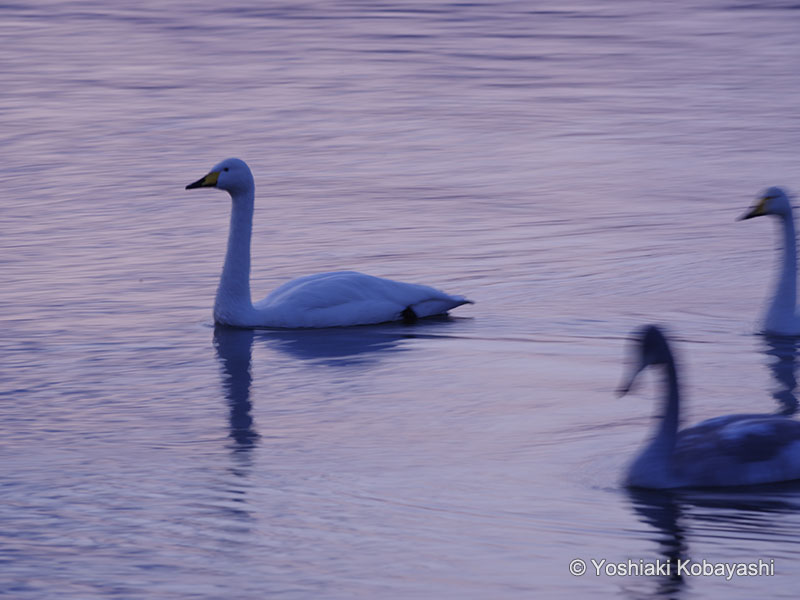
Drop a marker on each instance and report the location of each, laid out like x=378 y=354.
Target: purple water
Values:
x=574 y=167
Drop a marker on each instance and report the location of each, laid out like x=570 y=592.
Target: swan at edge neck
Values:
x=335 y=299
x=653 y=467
x=731 y=450
x=233 y=292
x=781 y=317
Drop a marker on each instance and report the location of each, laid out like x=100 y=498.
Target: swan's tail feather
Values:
x=429 y=308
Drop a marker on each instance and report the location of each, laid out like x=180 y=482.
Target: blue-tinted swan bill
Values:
x=209 y=180
x=629 y=381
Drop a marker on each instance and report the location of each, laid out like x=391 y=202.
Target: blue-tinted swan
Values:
x=781 y=318
x=733 y=450
x=324 y=300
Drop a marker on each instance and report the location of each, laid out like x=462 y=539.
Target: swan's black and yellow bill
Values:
x=627 y=384
x=758 y=210
x=209 y=180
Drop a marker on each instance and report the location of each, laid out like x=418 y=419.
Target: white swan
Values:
x=733 y=450
x=781 y=317
x=324 y=300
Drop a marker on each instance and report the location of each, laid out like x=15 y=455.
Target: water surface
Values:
x=574 y=168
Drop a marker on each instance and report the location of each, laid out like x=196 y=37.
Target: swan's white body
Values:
x=337 y=299
x=734 y=450
x=781 y=317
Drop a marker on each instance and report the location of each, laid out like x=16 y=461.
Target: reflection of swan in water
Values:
x=346 y=346
x=334 y=346
x=234 y=348
x=784 y=351
x=339 y=347
x=678 y=516
x=660 y=510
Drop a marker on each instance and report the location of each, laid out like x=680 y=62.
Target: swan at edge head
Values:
x=781 y=317
x=334 y=299
x=732 y=450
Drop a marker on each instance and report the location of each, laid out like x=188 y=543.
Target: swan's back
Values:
x=343 y=298
x=738 y=450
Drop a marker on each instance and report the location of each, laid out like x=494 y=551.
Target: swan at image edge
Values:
x=781 y=317
x=731 y=450
x=336 y=299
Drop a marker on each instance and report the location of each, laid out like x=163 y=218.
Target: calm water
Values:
x=575 y=168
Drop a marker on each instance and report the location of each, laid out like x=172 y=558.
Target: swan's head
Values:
x=232 y=175
x=652 y=348
x=773 y=201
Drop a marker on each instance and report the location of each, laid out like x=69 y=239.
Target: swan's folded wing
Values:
x=345 y=298
x=759 y=439
x=742 y=450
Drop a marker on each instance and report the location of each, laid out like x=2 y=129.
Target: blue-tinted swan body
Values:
x=733 y=450
x=334 y=299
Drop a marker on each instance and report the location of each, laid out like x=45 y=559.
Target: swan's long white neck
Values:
x=653 y=467
x=668 y=430
x=233 y=302
x=782 y=309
